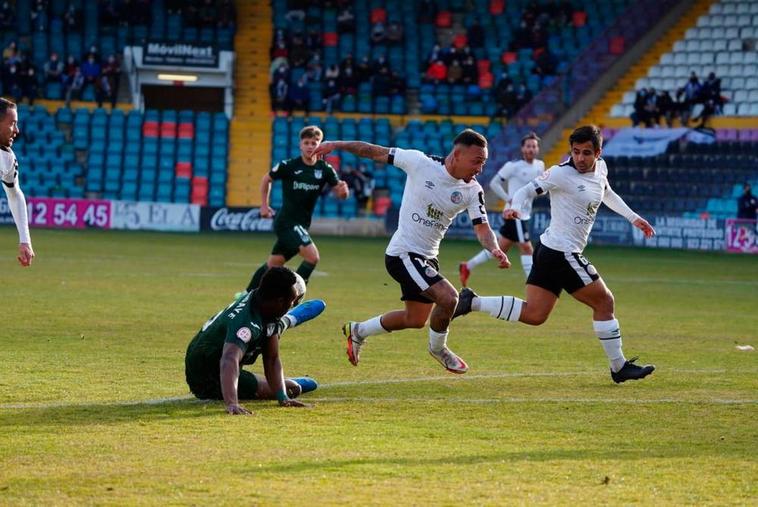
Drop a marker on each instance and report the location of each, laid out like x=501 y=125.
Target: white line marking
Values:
x=712 y=401
x=175 y=399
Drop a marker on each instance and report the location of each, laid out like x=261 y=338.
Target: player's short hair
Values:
x=587 y=133
x=470 y=138
x=529 y=136
x=277 y=282
x=311 y=131
x=6 y=104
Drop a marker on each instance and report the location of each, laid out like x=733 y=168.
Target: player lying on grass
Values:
x=577 y=187
x=437 y=189
x=235 y=336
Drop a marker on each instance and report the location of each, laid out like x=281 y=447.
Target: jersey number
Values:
x=481 y=204
x=300 y=230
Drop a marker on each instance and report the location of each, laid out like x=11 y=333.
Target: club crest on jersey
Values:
x=429 y=184
x=318 y=173
x=433 y=212
x=456 y=197
x=244 y=334
x=430 y=272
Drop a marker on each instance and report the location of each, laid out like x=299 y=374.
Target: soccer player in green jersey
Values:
x=236 y=335
x=303 y=179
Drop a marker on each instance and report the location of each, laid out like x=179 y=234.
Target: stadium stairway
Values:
x=250 y=134
x=599 y=114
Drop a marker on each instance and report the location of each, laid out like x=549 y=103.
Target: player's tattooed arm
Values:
x=359 y=148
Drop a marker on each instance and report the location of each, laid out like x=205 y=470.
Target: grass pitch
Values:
x=94 y=408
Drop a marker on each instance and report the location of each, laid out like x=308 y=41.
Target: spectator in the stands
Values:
x=348 y=82
x=690 y=95
x=640 y=115
x=298 y=51
x=397 y=84
x=332 y=72
x=346 y=20
x=475 y=35
x=505 y=99
x=434 y=55
x=747 y=204
x=27 y=78
x=111 y=77
x=394 y=33
x=523 y=96
x=279 y=94
x=454 y=72
x=436 y=73
x=313 y=40
x=53 y=69
x=544 y=63
x=361 y=182
x=470 y=71
x=298 y=96
x=711 y=91
x=331 y=95
x=382 y=83
x=666 y=108
x=378 y=33
x=280 y=50
x=73 y=85
x=314 y=69
x=347 y=63
x=7 y=16
x=296 y=10
x=91 y=70
x=364 y=71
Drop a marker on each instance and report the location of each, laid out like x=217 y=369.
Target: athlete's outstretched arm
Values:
x=488 y=240
x=497 y=185
x=17 y=205
x=365 y=150
x=520 y=198
x=617 y=204
x=230 y=374
x=272 y=367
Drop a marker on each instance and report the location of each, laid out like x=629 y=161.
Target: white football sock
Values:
x=437 y=341
x=609 y=333
x=526 y=263
x=500 y=307
x=479 y=258
x=369 y=327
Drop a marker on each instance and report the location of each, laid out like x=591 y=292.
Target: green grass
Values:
x=97 y=328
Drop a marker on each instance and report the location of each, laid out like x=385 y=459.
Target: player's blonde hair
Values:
x=310 y=131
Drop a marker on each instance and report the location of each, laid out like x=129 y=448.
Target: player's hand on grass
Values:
x=341 y=190
x=510 y=214
x=323 y=149
x=502 y=259
x=266 y=211
x=645 y=227
x=289 y=402
x=237 y=409
x=25 y=254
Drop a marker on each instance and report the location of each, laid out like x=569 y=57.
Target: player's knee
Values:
x=608 y=303
x=448 y=302
x=415 y=321
x=533 y=318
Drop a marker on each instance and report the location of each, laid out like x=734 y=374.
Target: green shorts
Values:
x=204 y=380
x=289 y=239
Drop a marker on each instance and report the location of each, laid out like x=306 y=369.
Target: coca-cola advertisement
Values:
x=234 y=219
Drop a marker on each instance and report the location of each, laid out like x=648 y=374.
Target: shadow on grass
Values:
x=113 y=413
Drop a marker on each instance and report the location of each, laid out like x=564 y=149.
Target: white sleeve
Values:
x=17 y=205
x=617 y=204
x=549 y=180
x=497 y=185
x=407 y=160
x=476 y=209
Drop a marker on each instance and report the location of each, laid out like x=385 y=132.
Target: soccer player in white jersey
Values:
x=9 y=177
x=514 y=174
x=577 y=187
x=437 y=189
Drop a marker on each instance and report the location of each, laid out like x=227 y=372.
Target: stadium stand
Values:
x=147 y=157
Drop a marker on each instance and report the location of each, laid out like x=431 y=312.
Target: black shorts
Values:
x=289 y=239
x=204 y=378
x=555 y=271
x=515 y=230
x=415 y=273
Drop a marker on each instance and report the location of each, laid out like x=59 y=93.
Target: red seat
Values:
x=497 y=7
x=579 y=18
x=460 y=41
x=616 y=45
x=444 y=19
x=330 y=39
x=483 y=66
x=150 y=129
x=486 y=80
x=200 y=200
x=183 y=169
x=381 y=205
x=509 y=57
x=186 y=131
x=168 y=129
x=378 y=15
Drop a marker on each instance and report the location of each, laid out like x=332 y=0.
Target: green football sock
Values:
x=305 y=269
x=256 y=280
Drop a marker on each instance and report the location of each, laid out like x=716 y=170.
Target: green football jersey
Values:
x=301 y=187
x=238 y=323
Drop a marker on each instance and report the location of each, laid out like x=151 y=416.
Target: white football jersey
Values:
x=574 y=201
x=431 y=199
x=519 y=173
x=8 y=166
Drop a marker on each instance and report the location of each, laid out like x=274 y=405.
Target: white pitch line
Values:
x=174 y=399
x=484 y=401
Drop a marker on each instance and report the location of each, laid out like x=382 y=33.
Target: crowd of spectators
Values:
x=299 y=50
x=652 y=106
x=202 y=13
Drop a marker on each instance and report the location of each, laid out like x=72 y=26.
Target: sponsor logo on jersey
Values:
x=433 y=212
x=298 y=185
x=244 y=334
x=430 y=272
x=590 y=217
x=318 y=173
x=298 y=171
x=456 y=197
x=581 y=188
x=429 y=184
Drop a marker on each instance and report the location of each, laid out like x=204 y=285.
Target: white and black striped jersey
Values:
x=518 y=173
x=574 y=200
x=431 y=199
